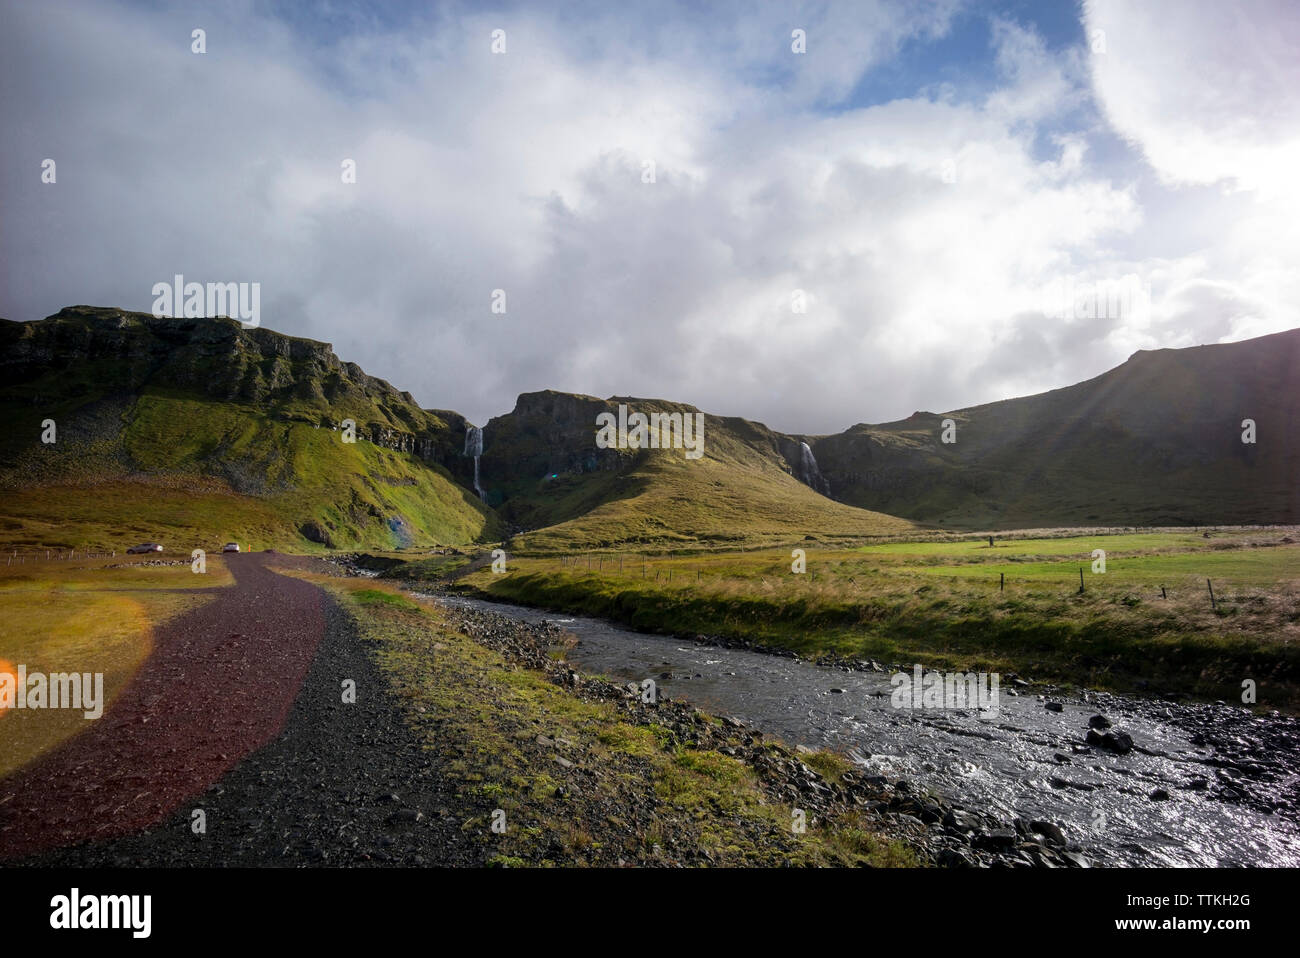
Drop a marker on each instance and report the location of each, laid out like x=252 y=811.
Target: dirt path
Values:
x=341 y=784
x=219 y=684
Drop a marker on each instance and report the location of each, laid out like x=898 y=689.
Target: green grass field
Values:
x=943 y=603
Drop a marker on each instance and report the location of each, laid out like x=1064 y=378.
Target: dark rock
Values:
x=1000 y=838
x=960 y=820
x=1057 y=782
x=1049 y=830
x=312 y=532
x=955 y=858
x=1119 y=742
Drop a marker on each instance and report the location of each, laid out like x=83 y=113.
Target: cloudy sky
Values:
x=914 y=213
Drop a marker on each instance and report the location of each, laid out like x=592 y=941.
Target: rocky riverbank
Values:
x=941 y=833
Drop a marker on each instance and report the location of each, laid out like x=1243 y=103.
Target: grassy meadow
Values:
x=958 y=603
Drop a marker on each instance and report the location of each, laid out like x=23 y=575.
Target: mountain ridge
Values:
x=1153 y=441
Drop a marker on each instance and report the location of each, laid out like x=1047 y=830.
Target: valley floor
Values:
x=1202 y=614
x=472 y=742
x=460 y=722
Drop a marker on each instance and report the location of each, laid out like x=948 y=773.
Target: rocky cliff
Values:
x=84 y=353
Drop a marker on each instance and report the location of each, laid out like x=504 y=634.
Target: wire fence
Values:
x=55 y=555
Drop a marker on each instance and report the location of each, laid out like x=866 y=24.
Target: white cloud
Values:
x=1205 y=89
x=1206 y=92
x=524 y=172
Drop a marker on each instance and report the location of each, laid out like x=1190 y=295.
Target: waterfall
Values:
x=809 y=472
x=474 y=447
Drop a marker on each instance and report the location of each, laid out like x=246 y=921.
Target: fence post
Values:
x=1213 y=605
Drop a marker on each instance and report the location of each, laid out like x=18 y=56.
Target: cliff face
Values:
x=547 y=433
x=84 y=353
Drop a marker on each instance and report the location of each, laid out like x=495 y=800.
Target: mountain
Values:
x=543 y=469
x=198 y=429
x=189 y=429
x=1155 y=441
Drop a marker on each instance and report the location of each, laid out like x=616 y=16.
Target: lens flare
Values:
x=7 y=668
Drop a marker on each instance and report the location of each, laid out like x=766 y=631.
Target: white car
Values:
x=230 y=547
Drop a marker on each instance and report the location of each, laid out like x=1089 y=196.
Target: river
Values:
x=1022 y=760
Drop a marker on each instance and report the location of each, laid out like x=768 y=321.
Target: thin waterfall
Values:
x=809 y=473
x=474 y=447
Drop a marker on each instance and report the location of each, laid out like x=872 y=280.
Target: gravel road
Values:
x=239 y=712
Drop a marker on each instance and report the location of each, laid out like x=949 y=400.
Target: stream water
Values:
x=1022 y=760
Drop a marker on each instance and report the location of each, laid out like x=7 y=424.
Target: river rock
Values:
x=999 y=838
x=1050 y=831
x=1119 y=742
x=960 y=820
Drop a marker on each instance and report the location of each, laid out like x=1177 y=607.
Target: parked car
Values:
x=144 y=547
x=230 y=547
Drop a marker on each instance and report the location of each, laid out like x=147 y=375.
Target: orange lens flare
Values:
x=7 y=668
